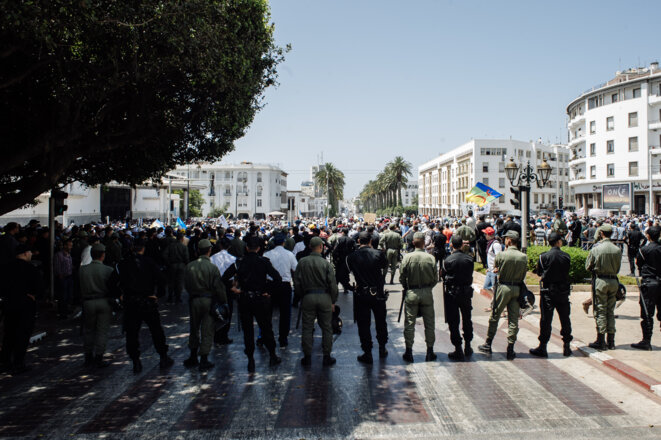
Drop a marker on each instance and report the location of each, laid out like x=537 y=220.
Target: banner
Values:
x=180 y=223
x=223 y=222
x=615 y=196
x=370 y=218
x=481 y=194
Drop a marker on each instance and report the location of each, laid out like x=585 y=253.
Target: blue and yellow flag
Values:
x=481 y=194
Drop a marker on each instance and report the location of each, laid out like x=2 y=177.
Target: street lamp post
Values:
x=523 y=181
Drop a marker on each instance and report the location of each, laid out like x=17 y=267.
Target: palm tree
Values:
x=399 y=169
x=331 y=182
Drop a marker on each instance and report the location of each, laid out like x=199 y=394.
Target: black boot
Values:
x=392 y=278
x=366 y=358
x=599 y=344
x=137 y=365
x=431 y=356
x=166 y=361
x=328 y=360
x=486 y=347
x=566 y=349
x=306 y=361
x=251 y=364
x=274 y=360
x=99 y=362
x=204 y=363
x=192 y=359
x=643 y=345
x=510 y=352
x=468 y=351
x=408 y=355
x=383 y=353
x=611 y=341
x=457 y=354
x=539 y=351
x=89 y=359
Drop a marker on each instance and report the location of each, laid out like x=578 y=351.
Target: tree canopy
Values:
x=95 y=91
x=331 y=182
x=382 y=193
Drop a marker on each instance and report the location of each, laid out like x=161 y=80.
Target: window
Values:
x=610 y=147
x=633 y=119
x=614 y=97
x=259 y=190
x=593 y=149
x=259 y=203
x=543 y=198
x=501 y=167
x=539 y=155
x=593 y=127
x=610 y=170
x=535 y=198
x=636 y=93
x=610 y=123
x=501 y=182
x=633 y=143
x=486 y=181
x=633 y=168
x=259 y=177
x=593 y=171
x=485 y=167
x=501 y=199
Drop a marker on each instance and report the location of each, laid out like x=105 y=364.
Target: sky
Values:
x=366 y=81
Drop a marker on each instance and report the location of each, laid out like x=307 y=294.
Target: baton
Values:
x=298 y=317
x=401 y=305
x=642 y=300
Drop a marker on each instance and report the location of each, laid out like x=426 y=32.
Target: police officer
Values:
x=559 y=226
x=553 y=267
x=22 y=285
x=367 y=265
x=204 y=287
x=176 y=257
x=138 y=277
x=466 y=233
x=418 y=277
x=457 y=273
x=96 y=289
x=285 y=263
x=604 y=262
x=633 y=239
x=391 y=242
x=316 y=287
x=250 y=274
x=649 y=264
x=343 y=247
x=511 y=266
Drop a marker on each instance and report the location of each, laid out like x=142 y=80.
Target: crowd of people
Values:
x=265 y=265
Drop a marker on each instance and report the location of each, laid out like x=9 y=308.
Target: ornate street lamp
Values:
x=523 y=180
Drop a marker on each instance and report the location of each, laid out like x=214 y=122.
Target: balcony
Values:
x=576 y=141
x=577 y=159
x=654 y=100
x=655 y=125
x=577 y=120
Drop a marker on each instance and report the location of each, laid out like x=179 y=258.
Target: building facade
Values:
x=614 y=134
x=409 y=193
x=443 y=182
x=245 y=190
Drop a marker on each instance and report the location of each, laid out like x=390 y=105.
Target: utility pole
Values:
x=51 y=245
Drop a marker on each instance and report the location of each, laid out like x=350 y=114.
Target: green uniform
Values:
x=560 y=227
x=605 y=260
x=466 y=233
x=512 y=266
x=391 y=242
x=418 y=277
x=204 y=287
x=289 y=244
x=332 y=240
x=315 y=284
x=176 y=256
x=95 y=292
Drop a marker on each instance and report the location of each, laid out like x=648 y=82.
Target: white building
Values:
x=614 y=129
x=444 y=181
x=245 y=190
x=409 y=193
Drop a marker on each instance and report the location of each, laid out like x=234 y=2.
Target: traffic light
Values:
x=516 y=201
x=560 y=204
x=59 y=197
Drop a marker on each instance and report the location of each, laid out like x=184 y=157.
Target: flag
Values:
x=157 y=224
x=326 y=221
x=180 y=223
x=223 y=222
x=481 y=194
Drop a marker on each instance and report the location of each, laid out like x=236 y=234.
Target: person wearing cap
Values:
x=223 y=260
x=391 y=243
x=176 y=257
x=553 y=267
x=649 y=264
x=467 y=234
x=238 y=246
x=457 y=274
x=367 y=266
x=634 y=239
x=344 y=246
x=285 y=263
x=494 y=247
x=559 y=225
x=138 y=277
x=315 y=286
x=604 y=262
x=575 y=228
x=418 y=276
x=511 y=266
x=22 y=285
x=481 y=240
x=204 y=287
x=251 y=285
x=96 y=289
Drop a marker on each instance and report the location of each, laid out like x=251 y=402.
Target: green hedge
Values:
x=577 y=271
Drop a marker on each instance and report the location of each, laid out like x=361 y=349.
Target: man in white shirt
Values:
x=222 y=260
x=494 y=247
x=285 y=263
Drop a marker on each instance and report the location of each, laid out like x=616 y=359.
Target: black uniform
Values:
x=367 y=265
x=458 y=295
x=344 y=246
x=553 y=267
x=575 y=229
x=649 y=264
x=633 y=240
x=138 y=277
x=20 y=279
x=481 y=242
x=439 y=246
x=250 y=273
x=511 y=226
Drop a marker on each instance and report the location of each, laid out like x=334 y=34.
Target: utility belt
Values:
x=201 y=295
x=509 y=283
x=252 y=295
x=555 y=288
x=419 y=287
x=89 y=298
x=315 y=291
x=607 y=277
x=372 y=292
x=455 y=291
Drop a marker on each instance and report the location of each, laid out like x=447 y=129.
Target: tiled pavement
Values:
x=484 y=398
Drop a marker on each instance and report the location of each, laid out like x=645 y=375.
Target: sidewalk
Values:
x=642 y=367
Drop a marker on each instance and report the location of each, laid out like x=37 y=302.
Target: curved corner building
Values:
x=614 y=141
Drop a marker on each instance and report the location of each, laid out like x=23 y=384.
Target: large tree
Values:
x=331 y=182
x=96 y=91
x=399 y=170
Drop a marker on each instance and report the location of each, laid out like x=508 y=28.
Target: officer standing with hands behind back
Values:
x=649 y=265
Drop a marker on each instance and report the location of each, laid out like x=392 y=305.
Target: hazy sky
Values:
x=366 y=81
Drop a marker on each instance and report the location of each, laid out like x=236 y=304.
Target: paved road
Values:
x=485 y=398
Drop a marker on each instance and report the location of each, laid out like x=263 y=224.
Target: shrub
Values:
x=577 y=271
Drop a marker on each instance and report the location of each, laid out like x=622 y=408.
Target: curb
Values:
x=603 y=358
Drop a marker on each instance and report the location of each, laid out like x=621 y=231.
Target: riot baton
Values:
x=642 y=299
x=298 y=317
x=401 y=305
